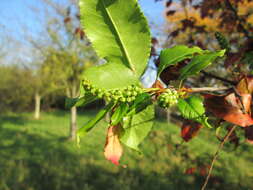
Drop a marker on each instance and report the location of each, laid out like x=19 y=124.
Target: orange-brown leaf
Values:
x=229 y=108
x=245 y=86
x=113 y=149
x=234 y=108
x=158 y=84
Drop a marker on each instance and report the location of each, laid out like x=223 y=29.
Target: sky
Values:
x=15 y=14
x=21 y=17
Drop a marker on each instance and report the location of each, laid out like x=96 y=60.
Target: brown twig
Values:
x=216 y=156
x=239 y=96
x=206 y=89
x=218 y=78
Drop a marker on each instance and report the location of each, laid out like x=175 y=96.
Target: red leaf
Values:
x=113 y=149
x=203 y=170
x=249 y=134
x=189 y=130
x=82 y=34
x=190 y=171
x=77 y=30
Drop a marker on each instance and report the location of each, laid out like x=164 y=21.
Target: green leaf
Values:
x=88 y=126
x=110 y=76
x=199 y=62
x=141 y=102
x=80 y=101
x=137 y=127
x=119 y=113
x=176 y=54
x=118 y=31
x=83 y=99
x=192 y=108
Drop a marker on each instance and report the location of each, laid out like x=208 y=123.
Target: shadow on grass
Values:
x=13 y=119
x=32 y=162
x=62 y=113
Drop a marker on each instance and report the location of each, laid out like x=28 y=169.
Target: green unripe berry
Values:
x=100 y=95
x=93 y=91
x=88 y=87
x=122 y=99
x=128 y=93
x=129 y=99
x=168 y=98
x=134 y=93
x=129 y=88
x=98 y=90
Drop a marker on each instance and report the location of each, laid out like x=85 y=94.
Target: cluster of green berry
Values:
x=168 y=98
x=127 y=94
x=224 y=44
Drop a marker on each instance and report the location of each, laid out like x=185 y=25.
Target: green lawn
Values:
x=36 y=155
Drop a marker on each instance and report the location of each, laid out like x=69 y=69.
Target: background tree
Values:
x=15 y=88
x=66 y=54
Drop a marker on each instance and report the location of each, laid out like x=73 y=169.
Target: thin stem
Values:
x=216 y=156
x=190 y=90
x=218 y=78
x=206 y=89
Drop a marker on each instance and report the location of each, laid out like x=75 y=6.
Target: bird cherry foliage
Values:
x=120 y=35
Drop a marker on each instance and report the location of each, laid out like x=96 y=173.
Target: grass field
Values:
x=36 y=155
